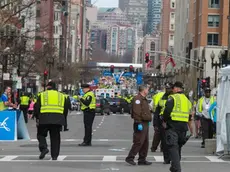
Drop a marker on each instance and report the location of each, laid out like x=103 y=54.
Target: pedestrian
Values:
x=49 y=113
x=88 y=106
x=6 y=104
x=142 y=117
x=212 y=114
x=31 y=108
x=156 y=137
x=66 y=111
x=157 y=122
x=203 y=106
x=176 y=115
x=24 y=105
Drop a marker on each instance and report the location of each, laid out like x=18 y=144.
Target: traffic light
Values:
x=207 y=82
x=146 y=57
x=131 y=69
x=203 y=83
x=112 y=69
x=45 y=74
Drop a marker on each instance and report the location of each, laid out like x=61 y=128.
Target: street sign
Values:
x=6 y=76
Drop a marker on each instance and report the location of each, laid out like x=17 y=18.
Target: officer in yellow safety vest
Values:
x=24 y=105
x=176 y=116
x=156 y=137
x=203 y=106
x=49 y=114
x=157 y=121
x=88 y=106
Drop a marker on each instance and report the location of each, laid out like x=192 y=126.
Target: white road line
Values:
x=159 y=158
x=109 y=159
x=103 y=140
x=94 y=130
x=214 y=159
x=8 y=158
x=61 y=158
x=98 y=127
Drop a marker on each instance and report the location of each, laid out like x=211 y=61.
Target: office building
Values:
x=154 y=15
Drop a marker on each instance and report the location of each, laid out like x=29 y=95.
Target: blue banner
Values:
x=8 y=125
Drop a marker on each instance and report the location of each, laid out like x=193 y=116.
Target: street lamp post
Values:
x=216 y=65
x=50 y=62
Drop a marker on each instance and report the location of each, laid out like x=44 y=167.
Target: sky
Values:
x=106 y=3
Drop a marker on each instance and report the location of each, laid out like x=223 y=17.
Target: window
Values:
x=171 y=37
x=172 y=27
x=213 y=20
x=172 y=15
x=38 y=14
x=213 y=39
x=56 y=16
x=213 y=3
x=152 y=46
x=37 y=26
x=173 y=4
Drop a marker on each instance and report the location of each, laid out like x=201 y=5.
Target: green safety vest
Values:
x=200 y=103
x=24 y=100
x=52 y=102
x=181 y=109
x=156 y=98
x=92 y=104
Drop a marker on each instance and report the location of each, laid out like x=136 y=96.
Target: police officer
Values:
x=157 y=122
x=142 y=116
x=49 y=113
x=176 y=117
x=66 y=111
x=24 y=105
x=156 y=137
x=88 y=106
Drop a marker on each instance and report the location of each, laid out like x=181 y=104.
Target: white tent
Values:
x=223 y=107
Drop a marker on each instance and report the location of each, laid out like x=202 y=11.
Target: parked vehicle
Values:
x=116 y=105
x=102 y=106
x=74 y=104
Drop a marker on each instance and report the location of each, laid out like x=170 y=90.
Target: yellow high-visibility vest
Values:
x=156 y=98
x=200 y=103
x=92 y=104
x=162 y=105
x=24 y=100
x=52 y=101
x=181 y=109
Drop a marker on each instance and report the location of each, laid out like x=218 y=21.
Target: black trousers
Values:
x=66 y=125
x=175 y=140
x=207 y=129
x=25 y=111
x=164 y=145
x=55 y=138
x=88 y=124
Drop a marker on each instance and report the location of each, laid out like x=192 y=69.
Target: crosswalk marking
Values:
x=105 y=158
x=8 y=158
x=109 y=159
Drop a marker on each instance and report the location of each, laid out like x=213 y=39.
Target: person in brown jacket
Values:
x=142 y=116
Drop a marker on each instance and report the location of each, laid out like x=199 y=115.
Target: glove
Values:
x=140 y=127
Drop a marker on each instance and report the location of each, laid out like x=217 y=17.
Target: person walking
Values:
x=142 y=117
x=88 y=106
x=49 y=113
x=176 y=115
x=24 y=105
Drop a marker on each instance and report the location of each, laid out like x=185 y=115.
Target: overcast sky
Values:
x=106 y=3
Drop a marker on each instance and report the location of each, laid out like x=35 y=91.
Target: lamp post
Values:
x=50 y=62
x=215 y=64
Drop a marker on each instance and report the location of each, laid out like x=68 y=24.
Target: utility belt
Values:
x=88 y=110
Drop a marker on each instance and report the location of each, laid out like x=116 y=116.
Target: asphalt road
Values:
x=112 y=139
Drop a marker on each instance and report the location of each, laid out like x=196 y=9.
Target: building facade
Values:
x=120 y=39
x=123 y=4
x=154 y=15
x=210 y=34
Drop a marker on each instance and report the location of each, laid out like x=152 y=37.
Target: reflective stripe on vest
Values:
x=162 y=105
x=181 y=109
x=24 y=100
x=92 y=104
x=2 y=106
x=156 y=99
x=52 y=102
x=201 y=101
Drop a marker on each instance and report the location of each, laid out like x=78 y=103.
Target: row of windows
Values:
x=212 y=39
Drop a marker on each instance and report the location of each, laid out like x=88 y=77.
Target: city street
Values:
x=112 y=138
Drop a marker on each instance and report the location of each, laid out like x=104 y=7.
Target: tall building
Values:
x=112 y=16
x=123 y=4
x=120 y=39
x=168 y=25
x=137 y=11
x=154 y=15
x=210 y=29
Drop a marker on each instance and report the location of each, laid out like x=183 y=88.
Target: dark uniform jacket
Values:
x=49 y=118
x=140 y=109
x=176 y=125
x=68 y=106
